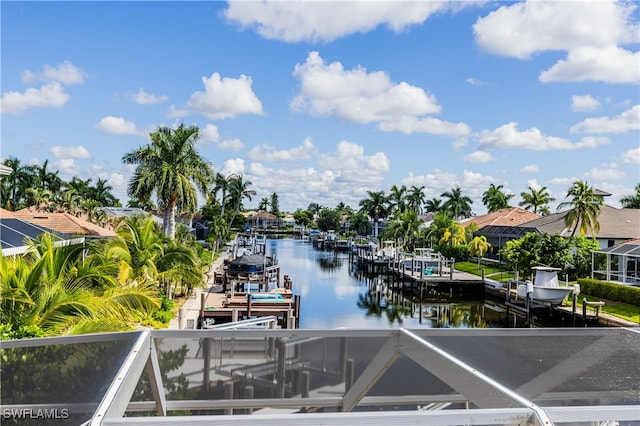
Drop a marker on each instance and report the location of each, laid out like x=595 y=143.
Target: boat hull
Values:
x=552 y=295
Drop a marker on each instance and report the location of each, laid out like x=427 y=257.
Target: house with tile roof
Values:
x=15 y=234
x=64 y=223
x=510 y=216
x=616 y=226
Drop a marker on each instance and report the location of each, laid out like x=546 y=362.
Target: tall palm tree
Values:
x=14 y=186
x=416 y=198
x=376 y=206
x=584 y=208
x=433 y=205
x=537 y=200
x=44 y=178
x=397 y=199
x=631 y=201
x=495 y=199
x=459 y=205
x=220 y=184
x=239 y=189
x=263 y=205
x=172 y=169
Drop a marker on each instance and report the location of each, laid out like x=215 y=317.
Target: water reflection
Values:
x=335 y=294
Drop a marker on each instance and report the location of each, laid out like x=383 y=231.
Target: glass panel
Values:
x=59 y=383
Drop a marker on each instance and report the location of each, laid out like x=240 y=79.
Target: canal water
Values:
x=335 y=294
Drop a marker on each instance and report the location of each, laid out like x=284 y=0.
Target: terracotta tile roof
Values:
x=64 y=223
x=6 y=213
x=511 y=216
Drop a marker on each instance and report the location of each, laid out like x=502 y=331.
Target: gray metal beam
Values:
x=115 y=401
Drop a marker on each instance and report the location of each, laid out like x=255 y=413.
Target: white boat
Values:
x=545 y=287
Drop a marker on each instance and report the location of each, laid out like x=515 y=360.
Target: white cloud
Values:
x=479 y=157
x=232 y=144
x=233 y=166
x=70 y=152
x=209 y=134
x=508 y=136
x=584 y=103
x=325 y=21
x=434 y=126
x=363 y=97
x=604 y=173
x=144 y=98
x=225 y=98
x=65 y=73
x=531 y=168
x=475 y=82
x=117 y=126
x=67 y=166
x=590 y=32
x=269 y=154
x=631 y=156
x=51 y=95
x=437 y=181
x=350 y=157
x=608 y=65
x=628 y=121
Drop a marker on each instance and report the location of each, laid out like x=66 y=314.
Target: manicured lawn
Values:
x=617 y=309
x=491 y=271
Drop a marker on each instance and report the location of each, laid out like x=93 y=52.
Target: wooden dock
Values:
x=232 y=305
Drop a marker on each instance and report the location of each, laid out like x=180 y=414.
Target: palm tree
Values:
x=631 y=201
x=238 y=191
x=61 y=291
x=415 y=198
x=536 y=200
x=585 y=207
x=39 y=198
x=171 y=168
x=218 y=229
x=14 y=186
x=459 y=205
x=397 y=199
x=220 y=184
x=495 y=199
x=263 y=205
x=376 y=206
x=405 y=227
x=433 y=205
x=478 y=247
x=359 y=222
x=441 y=222
x=454 y=235
x=45 y=179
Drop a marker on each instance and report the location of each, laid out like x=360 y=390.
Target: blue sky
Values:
x=322 y=102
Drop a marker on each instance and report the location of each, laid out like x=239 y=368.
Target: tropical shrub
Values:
x=610 y=291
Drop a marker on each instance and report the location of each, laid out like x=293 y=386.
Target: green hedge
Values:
x=610 y=291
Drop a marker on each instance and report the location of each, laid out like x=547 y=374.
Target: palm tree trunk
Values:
x=169 y=222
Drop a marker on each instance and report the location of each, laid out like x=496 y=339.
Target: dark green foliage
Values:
x=328 y=219
x=610 y=291
x=460 y=252
x=581 y=260
x=533 y=250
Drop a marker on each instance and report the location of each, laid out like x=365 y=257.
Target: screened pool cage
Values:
x=253 y=376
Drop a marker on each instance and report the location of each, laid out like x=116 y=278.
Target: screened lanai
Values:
x=620 y=263
x=304 y=377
